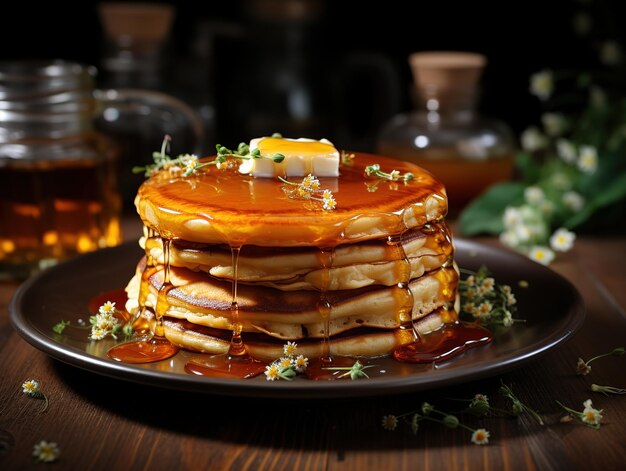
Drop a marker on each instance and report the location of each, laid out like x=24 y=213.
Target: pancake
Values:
x=229 y=253
x=365 y=342
x=353 y=265
x=224 y=207
x=206 y=301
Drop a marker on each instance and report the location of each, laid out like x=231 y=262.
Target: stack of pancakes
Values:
x=302 y=274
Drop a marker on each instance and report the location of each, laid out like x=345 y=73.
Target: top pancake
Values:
x=224 y=207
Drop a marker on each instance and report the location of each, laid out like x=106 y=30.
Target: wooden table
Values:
x=101 y=423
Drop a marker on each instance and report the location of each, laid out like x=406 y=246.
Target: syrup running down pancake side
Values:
x=220 y=207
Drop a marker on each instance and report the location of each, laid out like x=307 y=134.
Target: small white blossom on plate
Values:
x=289 y=349
x=300 y=363
x=272 y=372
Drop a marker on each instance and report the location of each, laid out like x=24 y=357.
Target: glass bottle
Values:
x=58 y=183
x=444 y=133
x=59 y=193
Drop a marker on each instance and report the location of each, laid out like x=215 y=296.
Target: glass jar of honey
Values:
x=58 y=176
x=444 y=133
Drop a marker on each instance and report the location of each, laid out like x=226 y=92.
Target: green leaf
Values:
x=612 y=192
x=484 y=214
x=530 y=168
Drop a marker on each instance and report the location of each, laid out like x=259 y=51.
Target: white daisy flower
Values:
x=484 y=309
x=46 y=452
x=532 y=139
x=541 y=254
x=507 y=319
x=590 y=415
x=97 y=333
x=542 y=84
x=107 y=308
x=310 y=183
x=562 y=240
x=390 y=422
x=480 y=437
x=561 y=181
x=284 y=362
x=512 y=217
x=272 y=372
x=566 y=151
x=523 y=233
x=488 y=284
x=554 y=124
x=301 y=363
x=329 y=200
x=289 y=349
x=534 y=195
x=588 y=159
x=573 y=201
x=509 y=238
x=30 y=387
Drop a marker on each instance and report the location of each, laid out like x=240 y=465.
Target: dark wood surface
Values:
x=103 y=423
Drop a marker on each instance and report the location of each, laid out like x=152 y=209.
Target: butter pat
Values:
x=302 y=157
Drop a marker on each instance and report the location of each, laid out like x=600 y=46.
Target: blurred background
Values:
x=224 y=72
x=335 y=69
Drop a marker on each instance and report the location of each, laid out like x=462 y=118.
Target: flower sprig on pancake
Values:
x=185 y=164
x=393 y=176
x=309 y=189
x=189 y=164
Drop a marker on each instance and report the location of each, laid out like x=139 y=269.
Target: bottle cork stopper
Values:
x=446 y=72
x=137 y=22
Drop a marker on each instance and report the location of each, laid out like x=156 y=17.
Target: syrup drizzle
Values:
x=403 y=292
x=236 y=363
x=316 y=370
x=444 y=343
x=157 y=348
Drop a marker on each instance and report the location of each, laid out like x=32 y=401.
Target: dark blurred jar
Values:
x=58 y=176
x=58 y=183
x=444 y=133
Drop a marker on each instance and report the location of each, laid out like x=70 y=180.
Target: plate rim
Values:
x=384 y=385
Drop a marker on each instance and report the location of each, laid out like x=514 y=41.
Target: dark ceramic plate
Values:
x=551 y=306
